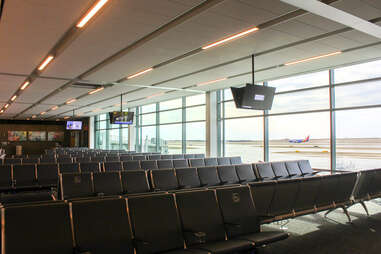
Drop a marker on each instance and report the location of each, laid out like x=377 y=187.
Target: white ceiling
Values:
x=31 y=28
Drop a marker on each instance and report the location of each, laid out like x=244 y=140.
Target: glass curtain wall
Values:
x=173 y=127
x=110 y=136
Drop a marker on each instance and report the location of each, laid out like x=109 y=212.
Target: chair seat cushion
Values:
x=222 y=247
x=265 y=237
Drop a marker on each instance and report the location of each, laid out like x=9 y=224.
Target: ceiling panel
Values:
x=121 y=23
x=8 y=86
x=31 y=28
x=15 y=108
x=358 y=8
x=39 y=89
x=66 y=95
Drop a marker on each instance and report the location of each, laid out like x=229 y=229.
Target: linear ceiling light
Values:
x=34 y=116
x=211 y=82
x=66 y=117
x=45 y=62
x=154 y=95
x=71 y=101
x=91 y=13
x=43 y=113
x=1 y=111
x=14 y=97
x=6 y=105
x=25 y=85
x=54 y=108
x=140 y=73
x=313 y=58
x=96 y=90
x=251 y=30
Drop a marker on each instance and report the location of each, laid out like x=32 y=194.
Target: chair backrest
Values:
x=69 y=167
x=112 y=158
x=131 y=165
x=328 y=186
x=284 y=197
x=192 y=207
x=154 y=157
x=307 y=194
x=199 y=155
x=166 y=157
x=189 y=156
x=134 y=181
x=364 y=185
x=305 y=166
x=245 y=173
x=126 y=158
x=177 y=156
x=188 y=178
x=27 y=227
x=181 y=163
x=47 y=174
x=139 y=157
x=97 y=159
x=223 y=161
x=112 y=166
x=196 y=163
x=83 y=159
x=148 y=164
x=345 y=187
x=211 y=162
x=375 y=184
x=164 y=180
x=30 y=161
x=158 y=231
x=5 y=177
x=76 y=185
x=293 y=168
x=264 y=170
x=107 y=183
x=64 y=160
x=227 y=174
x=279 y=169
x=102 y=226
x=90 y=167
x=24 y=175
x=208 y=176
x=263 y=193
x=8 y=161
x=238 y=211
x=165 y=164
x=235 y=160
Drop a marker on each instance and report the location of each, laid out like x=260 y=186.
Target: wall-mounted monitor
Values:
x=253 y=97
x=74 y=125
x=117 y=117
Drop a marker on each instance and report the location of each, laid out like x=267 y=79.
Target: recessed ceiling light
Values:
x=54 y=108
x=25 y=85
x=140 y=73
x=34 y=116
x=71 y=101
x=1 y=111
x=313 y=58
x=235 y=36
x=45 y=62
x=14 y=97
x=6 y=105
x=155 y=95
x=211 y=82
x=43 y=113
x=96 y=90
x=66 y=117
x=91 y=13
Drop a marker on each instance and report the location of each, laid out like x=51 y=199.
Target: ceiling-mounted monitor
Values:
x=117 y=117
x=253 y=97
x=74 y=125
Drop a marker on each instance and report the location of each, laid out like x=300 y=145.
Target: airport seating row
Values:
x=198 y=222
x=97 y=158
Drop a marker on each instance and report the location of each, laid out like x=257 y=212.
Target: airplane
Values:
x=307 y=139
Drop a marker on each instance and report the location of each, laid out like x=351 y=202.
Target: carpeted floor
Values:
x=317 y=234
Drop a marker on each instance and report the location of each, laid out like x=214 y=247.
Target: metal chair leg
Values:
x=346 y=213
x=365 y=208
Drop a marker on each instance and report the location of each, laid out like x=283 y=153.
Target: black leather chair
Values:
x=209 y=177
x=30 y=160
x=263 y=194
x=47 y=175
x=188 y=178
x=245 y=173
x=284 y=197
x=181 y=163
x=126 y=158
x=240 y=217
x=90 y=167
x=154 y=157
x=203 y=226
x=222 y=161
x=280 y=170
x=131 y=165
x=107 y=183
x=306 y=168
x=97 y=159
x=148 y=165
x=5 y=177
x=134 y=182
x=139 y=157
x=293 y=169
x=265 y=171
x=69 y=167
x=164 y=180
x=199 y=155
x=76 y=185
x=328 y=186
x=211 y=162
x=83 y=159
x=177 y=156
x=64 y=160
x=164 y=164
x=112 y=166
x=228 y=175
x=102 y=226
x=189 y=156
x=235 y=160
x=166 y=157
x=158 y=232
x=307 y=194
x=196 y=163
x=24 y=176
x=112 y=158
x=28 y=226
x=13 y=161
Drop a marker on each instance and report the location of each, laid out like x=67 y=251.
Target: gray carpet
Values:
x=316 y=234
